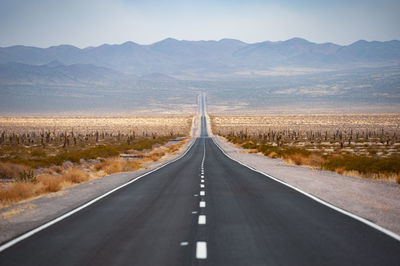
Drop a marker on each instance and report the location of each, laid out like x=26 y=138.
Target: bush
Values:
x=27 y=176
x=50 y=183
x=250 y=145
x=12 y=171
x=17 y=191
x=363 y=164
x=38 y=153
x=75 y=175
x=116 y=165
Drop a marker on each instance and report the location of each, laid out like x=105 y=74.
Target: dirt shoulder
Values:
x=377 y=201
x=24 y=216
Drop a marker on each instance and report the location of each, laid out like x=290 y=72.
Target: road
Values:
x=206 y=209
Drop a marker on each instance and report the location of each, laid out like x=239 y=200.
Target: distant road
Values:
x=205 y=209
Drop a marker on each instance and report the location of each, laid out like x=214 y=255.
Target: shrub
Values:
x=116 y=165
x=50 y=183
x=17 y=191
x=75 y=175
x=38 y=153
x=363 y=164
x=27 y=176
x=10 y=170
x=155 y=156
x=250 y=145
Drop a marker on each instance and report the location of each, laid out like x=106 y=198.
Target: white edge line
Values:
x=62 y=217
x=363 y=220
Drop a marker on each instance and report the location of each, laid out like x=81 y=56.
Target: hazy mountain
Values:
x=56 y=73
x=168 y=75
x=157 y=77
x=227 y=56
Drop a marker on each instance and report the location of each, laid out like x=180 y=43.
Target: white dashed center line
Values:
x=202 y=193
x=194 y=212
x=201 y=185
x=202 y=181
x=202 y=204
x=201 y=250
x=184 y=243
x=202 y=219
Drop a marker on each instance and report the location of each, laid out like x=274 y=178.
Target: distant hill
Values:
x=55 y=73
x=227 y=56
x=157 y=77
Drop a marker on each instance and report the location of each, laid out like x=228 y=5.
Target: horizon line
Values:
x=183 y=40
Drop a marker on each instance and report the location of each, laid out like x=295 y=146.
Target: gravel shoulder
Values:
x=22 y=217
x=377 y=201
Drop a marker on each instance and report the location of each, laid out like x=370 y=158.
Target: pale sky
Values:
x=45 y=23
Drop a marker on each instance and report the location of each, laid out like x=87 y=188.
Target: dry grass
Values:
x=11 y=171
x=75 y=175
x=160 y=125
x=314 y=160
x=50 y=183
x=362 y=145
x=393 y=177
x=56 y=178
x=117 y=165
x=17 y=191
x=375 y=135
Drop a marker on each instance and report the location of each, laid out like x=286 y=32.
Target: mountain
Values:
x=157 y=77
x=206 y=58
x=55 y=73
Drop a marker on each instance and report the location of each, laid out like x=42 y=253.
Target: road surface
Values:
x=205 y=209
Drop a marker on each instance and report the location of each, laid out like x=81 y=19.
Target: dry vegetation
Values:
x=42 y=155
x=364 y=145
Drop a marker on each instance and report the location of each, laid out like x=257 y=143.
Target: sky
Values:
x=85 y=23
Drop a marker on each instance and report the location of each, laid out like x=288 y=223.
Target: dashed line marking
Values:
x=202 y=204
x=184 y=244
x=202 y=176
x=202 y=181
x=195 y=195
x=201 y=186
x=194 y=212
x=202 y=219
x=202 y=193
x=201 y=250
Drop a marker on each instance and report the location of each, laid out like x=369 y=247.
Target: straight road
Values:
x=206 y=209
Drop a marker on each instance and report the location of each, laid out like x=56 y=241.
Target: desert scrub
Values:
x=17 y=191
x=75 y=175
x=387 y=168
x=363 y=164
x=56 y=177
x=98 y=151
x=11 y=171
x=50 y=183
x=116 y=165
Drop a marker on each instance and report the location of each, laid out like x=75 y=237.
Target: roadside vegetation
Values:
x=355 y=151
x=36 y=163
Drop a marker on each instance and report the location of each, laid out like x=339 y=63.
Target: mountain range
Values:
x=176 y=58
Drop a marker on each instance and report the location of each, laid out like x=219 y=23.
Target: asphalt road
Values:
x=230 y=216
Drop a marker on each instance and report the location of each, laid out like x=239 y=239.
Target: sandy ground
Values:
x=22 y=217
x=377 y=201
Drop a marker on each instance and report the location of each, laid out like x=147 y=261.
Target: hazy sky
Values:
x=83 y=23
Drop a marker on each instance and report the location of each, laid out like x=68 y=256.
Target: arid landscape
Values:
x=45 y=154
x=186 y=133
x=366 y=145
